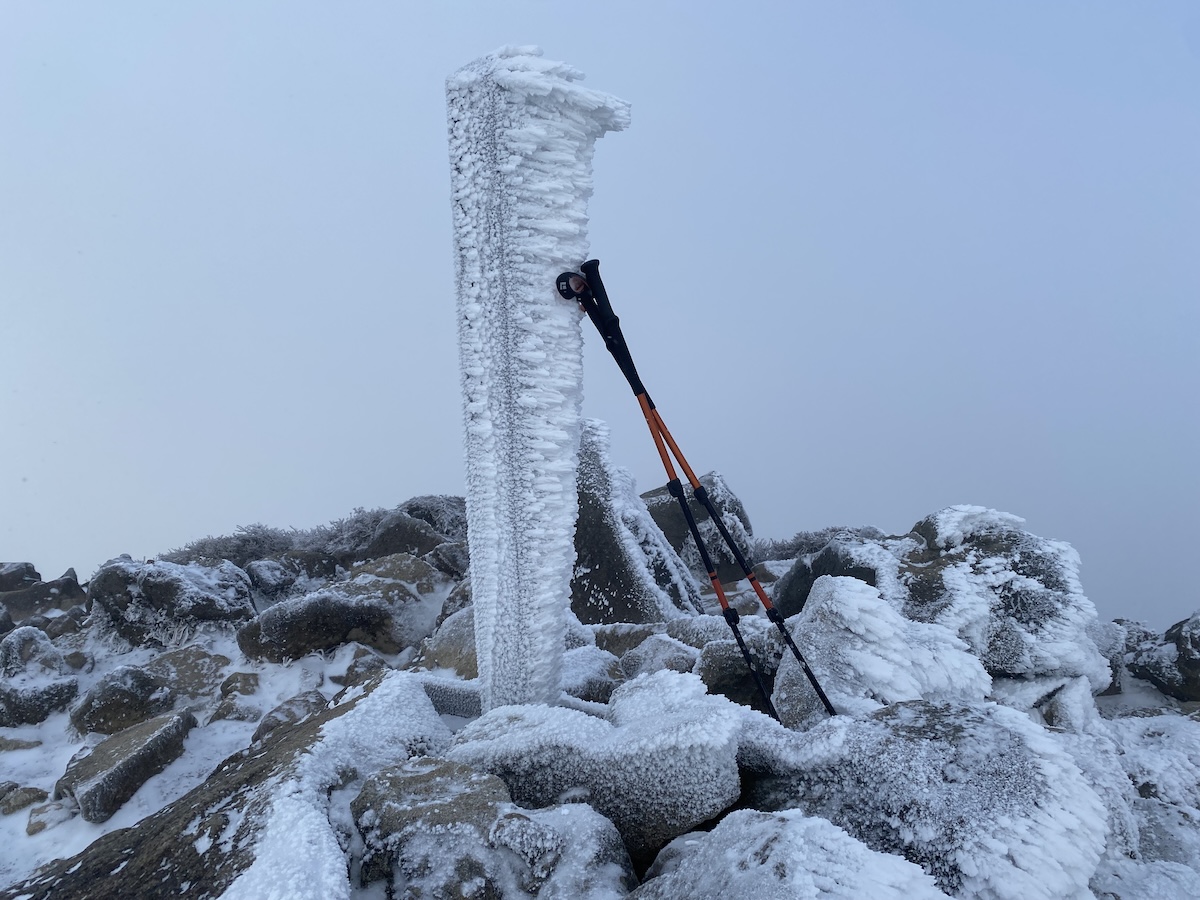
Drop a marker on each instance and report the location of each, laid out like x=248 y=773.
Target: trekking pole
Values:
x=575 y=287
x=591 y=295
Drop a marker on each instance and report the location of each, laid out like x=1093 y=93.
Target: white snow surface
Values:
x=954 y=524
x=786 y=855
x=522 y=136
x=665 y=760
x=866 y=655
x=394 y=722
x=981 y=797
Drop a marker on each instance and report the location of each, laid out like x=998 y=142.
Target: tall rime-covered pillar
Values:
x=522 y=135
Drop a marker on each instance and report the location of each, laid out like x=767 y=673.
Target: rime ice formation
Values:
x=522 y=134
x=866 y=655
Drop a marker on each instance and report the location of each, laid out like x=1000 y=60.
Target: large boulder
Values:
x=452 y=646
x=101 y=778
x=17 y=575
x=1170 y=662
x=444 y=513
x=39 y=597
x=236 y=835
x=1013 y=597
x=625 y=569
x=302 y=570
x=785 y=855
x=388 y=604
x=450 y=831
x=865 y=655
x=664 y=509
x=847 y=552
x=316 y=622
x=662 y=762
x=398 y=532
x=35 y=680
x=976 y=794
x=193 y=671
x=121 y=699
x=289 y=713
x=163 y=602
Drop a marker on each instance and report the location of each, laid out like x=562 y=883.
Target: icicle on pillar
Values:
x=522 y=134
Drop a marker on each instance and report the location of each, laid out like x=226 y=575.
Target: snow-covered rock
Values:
x=163 y=602
x=866 y=655
x=40 y=597
x=1170 y=662
x=444 y=830
x=122 y=698
x=785 y=855
x=977 y=795
x=663 y=761
x=1161 y=757
x=452 y=646
x=664 y=508
x=34 y=678
x=266 y=823
x=625 y=569
x=100 y=778
x=522 y=136
x=1013 y=597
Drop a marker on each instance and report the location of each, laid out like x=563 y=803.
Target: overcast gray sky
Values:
x=917 y=254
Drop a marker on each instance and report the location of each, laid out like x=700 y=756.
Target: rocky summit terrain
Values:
x=296 y=714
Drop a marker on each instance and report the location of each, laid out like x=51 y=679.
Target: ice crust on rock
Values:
x=522 y=135
x=978 y=795
x=866 y=655
x=664 y=761
x=622 y=555
x=786 y=855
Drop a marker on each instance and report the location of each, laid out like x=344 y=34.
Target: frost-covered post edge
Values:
x=522 y=135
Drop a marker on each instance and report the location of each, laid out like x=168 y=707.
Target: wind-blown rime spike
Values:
x=522 y=135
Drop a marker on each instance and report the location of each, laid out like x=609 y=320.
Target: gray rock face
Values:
x=1171 y=662
x=17 y=575
x=452 y=646
x=319 y=621
x=452 y=558
x=42 y=597
x=399 y=532
x=161 y=602
x=451 y=831
x=666 y=512
x=101 y=779
x=387 y=604
x=14 y=798
x=276 y=576
x=123 y=698
x=290 y=712
x=190 y=672
x=625 y=570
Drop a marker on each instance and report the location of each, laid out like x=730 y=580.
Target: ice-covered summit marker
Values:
x=522 y=134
